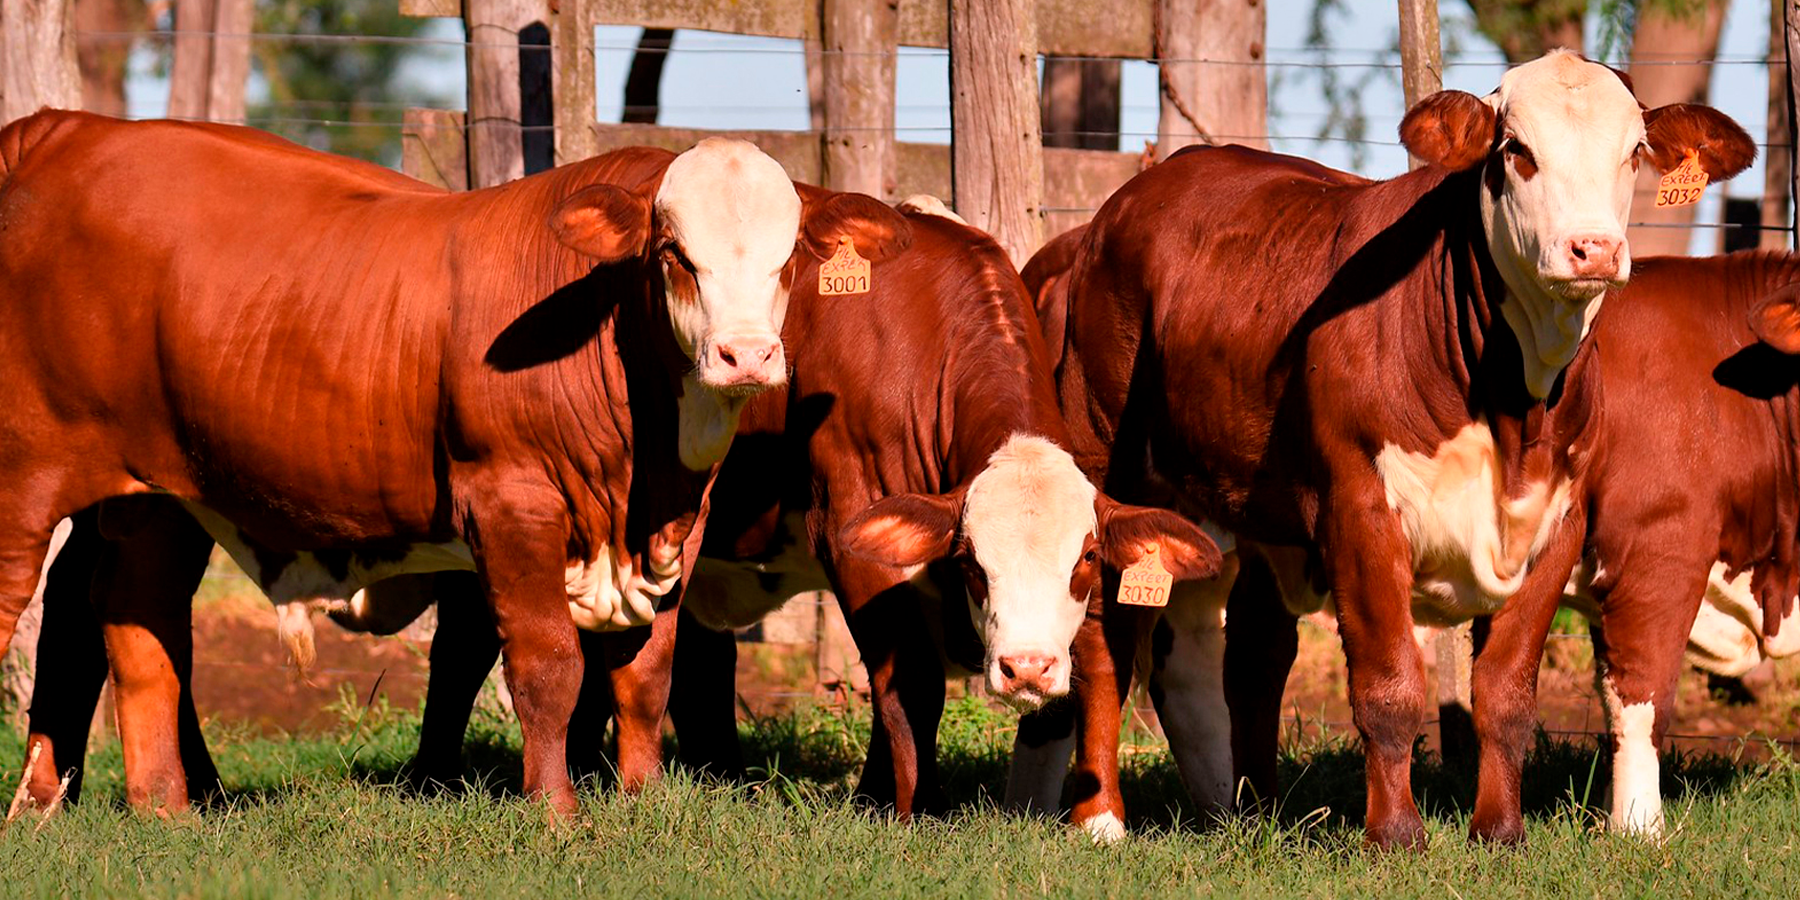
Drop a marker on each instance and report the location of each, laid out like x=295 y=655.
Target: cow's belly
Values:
x=1471 y=545
x=725 y=595
x=1727 y=636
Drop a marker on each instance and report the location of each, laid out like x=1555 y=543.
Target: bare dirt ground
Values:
x=241 y=675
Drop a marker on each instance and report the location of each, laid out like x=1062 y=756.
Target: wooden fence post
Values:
x=857 y=68
x=497 y=95
x=1779 y=160
x=212 y=60
x=37 y=57
x=1421 y=54
x=1791 y=17
x=1214 y=86
x=996 y=148
x=573 y=58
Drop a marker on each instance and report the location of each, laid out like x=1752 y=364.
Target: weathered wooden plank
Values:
x=1791 y=28
x=233 y=21
x=996 y=150
x=797 y=151
x=1421 y=59
x=37 y=57
x=767 y=18
x=1778 y=162
x=1119 y=29
x=1224 y=99
x=1076 y=182
x=434 y=148
x=449 y=9
x=858 y=87
x=190 y=73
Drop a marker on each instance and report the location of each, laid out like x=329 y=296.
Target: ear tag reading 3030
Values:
x=1146 y=582
x=845 y=272
x=1683 y=185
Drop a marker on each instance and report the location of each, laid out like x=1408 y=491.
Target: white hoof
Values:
x=1104 y=828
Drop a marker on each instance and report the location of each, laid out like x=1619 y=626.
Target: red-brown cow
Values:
x=344 y=374
x=1370 y=384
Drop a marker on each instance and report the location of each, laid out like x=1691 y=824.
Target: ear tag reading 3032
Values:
x=845 y=272
x=1683 y=185
x=1146 y=582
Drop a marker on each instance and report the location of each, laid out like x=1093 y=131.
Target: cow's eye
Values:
x=1512 y=146
x=673 y=256
x=1091 y=556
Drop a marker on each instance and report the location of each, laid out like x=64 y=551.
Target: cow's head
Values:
x=728 y=232
x=1559 y=144
x=1031 y=534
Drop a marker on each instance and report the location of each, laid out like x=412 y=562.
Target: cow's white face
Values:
x=1557 y=200
x=1558 y=147
x=731 y=219
x=1031 y=533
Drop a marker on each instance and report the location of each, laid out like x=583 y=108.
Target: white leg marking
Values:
x=1034 y=780
x=1104 y=828
x=1192 y=683
x=1637 y=783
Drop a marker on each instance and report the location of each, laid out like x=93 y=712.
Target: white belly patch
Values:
x=730 y=594
x=609 y=594
x=1471 y=545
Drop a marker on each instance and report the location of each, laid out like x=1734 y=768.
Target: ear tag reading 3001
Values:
x=845 y=272
x=1683 y=185
x=1146 y=582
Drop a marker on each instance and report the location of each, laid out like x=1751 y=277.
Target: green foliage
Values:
x=349 y=82
x=330 y=816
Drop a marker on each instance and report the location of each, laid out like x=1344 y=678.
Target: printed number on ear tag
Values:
x=845 y=272
x=1682 y=186
x=1146 y=582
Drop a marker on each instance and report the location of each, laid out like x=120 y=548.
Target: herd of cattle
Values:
x=571 y=408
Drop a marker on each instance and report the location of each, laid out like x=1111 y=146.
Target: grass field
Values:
x=330 y=816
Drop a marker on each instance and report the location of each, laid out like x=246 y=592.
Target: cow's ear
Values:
x=1776 y=320
x=1453 y=129
x=877 y=230
x=603 y=221
x=1674 y=131
x=905 y=529
x=1126 y=532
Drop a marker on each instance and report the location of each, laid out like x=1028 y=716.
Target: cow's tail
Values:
x=293 y=622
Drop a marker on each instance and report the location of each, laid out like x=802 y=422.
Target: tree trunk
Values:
x=1214 y=86
x=1421 y=54
x=1080 y=103
x=496 y=98
x=102 y=47
x=643 y=83
x=996 y=148
x=1660 y=38
x=212 y=60
x=857 y=80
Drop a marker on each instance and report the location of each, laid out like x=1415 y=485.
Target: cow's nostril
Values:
x=1577 y=251
x=727 y=357
x=1006 y=670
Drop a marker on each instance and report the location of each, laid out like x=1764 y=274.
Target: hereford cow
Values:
x=1377 y=387
x=344 y=374
x=915 y=464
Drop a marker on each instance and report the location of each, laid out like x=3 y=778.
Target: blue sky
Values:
x=729 y=81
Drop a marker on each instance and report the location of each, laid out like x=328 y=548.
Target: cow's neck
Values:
x=996 y=385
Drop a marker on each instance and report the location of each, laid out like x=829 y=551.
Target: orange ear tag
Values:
x=1146 y=582
x=845 y=272
x=1683 y=185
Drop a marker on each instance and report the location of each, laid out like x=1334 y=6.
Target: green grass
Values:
x=328 y=816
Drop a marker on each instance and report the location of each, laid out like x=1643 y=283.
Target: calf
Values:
x=1377 y=386
x=545 y=375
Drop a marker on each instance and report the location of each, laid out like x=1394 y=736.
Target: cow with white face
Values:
x=1391 y=411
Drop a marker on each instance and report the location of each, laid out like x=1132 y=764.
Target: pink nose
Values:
x=1595 y=256
x=1026 y=672
x=746 y=360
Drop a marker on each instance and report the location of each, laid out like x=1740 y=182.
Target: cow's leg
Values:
x=1104 y=649
x=906 y=686
x=1187 y=660
x=143 y=592
x=520 y=556
x=1261 y=641
x=593 y=708
x=463 y=650
x=71 y=665
x=1040 y=758
x=703 y=699
x=1504 y=681
x=1371 y=578
x=639 y=663
x=1646 y=616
